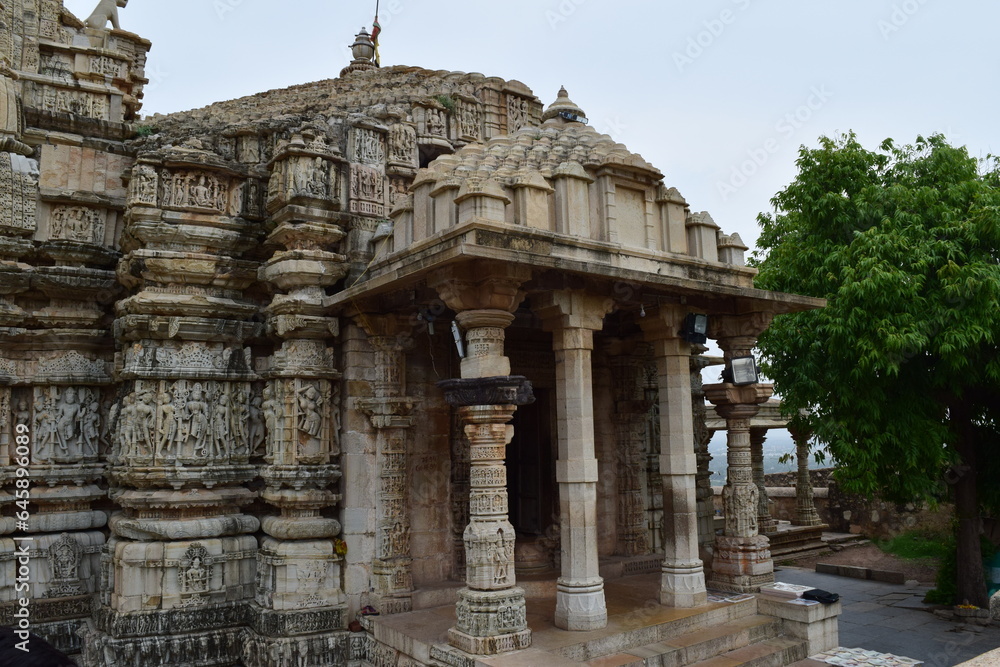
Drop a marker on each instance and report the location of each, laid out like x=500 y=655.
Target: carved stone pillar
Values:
x=702 y=437
x=491 y=611
x=299 y=601
x=573 y=317
x=389 y=410
x=630 y=414
x=682 y=582
x=179 y=565
x=765 y=523
x=805 y=505
x=742 y=558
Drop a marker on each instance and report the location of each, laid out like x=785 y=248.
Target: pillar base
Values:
x=741 y=564
x=490 y=622
x=682 y=588
x=581 y=608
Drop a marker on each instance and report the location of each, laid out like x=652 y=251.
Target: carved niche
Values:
x=517 y=113
x=65 y=555
x=403 y=145
x=67 y=424
x=195 y=190
x=186 y=421
x=469 y=113
x=194 y=575
x=18 y=192
x=367 y=190
x=77 y=223
x=143 y=186
x=369 y=146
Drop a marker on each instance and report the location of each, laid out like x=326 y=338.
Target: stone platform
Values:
x=640 y=631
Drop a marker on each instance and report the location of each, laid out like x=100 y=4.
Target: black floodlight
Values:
x=744 y=371
x=694 y=328
x=572 y=117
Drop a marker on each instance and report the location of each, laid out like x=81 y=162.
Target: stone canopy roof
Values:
x=556 y=145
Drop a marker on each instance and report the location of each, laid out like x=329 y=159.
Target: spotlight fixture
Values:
x=694 y=328
x=743 y=371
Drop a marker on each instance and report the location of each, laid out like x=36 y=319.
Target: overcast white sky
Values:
x=717 y=94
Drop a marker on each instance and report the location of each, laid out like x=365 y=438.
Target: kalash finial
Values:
x=565 y=109
x=363 y=50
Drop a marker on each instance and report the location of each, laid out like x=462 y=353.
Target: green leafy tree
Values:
x=900 y=373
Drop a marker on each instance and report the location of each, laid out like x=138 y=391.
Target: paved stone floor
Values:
x=893 y=619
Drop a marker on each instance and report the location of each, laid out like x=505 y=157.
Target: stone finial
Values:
x=364 y=51
x=564 y=104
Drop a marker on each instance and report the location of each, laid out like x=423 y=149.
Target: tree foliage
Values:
x=901 y=372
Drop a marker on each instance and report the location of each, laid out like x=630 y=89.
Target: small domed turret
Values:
x=565 y=108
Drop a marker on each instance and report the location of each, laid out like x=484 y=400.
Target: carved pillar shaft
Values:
x=702 y=437
x=805 y=505
x=491 y=612
x=630 y=430
x=390 y=416
x=765 y=523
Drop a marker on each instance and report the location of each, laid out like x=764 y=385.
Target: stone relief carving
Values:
x=18 y=191
x=108 y=66
x=517 y=113
x=367 y=190
x=369 y=146
x=77 y=102
x=67 y=422
x=194 y=574
x=194 y=189
x=403 y=144
x=436 y=122
x=470 y=119
x=65 y=555
x=143 y=186
x=78 y=223
x=184 y=421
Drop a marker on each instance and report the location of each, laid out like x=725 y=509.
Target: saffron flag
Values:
x=376 y=29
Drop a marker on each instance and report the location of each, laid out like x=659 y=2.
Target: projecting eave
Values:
x=605 y=267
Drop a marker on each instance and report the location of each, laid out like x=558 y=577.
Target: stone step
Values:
x=643 y=628
x=694 y=646
x=808 y=663
x=777 y=652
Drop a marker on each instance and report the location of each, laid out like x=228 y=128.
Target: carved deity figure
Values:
x=65 y=559
x=144 y=413
x=221 y=418
x=310 y=401
x=166 y=430
x=196 y=410
x=67 y=419
x=271 y=409
x=200 y=194
x=196 y=576
x=501 y=562
x=517 y=113
x=435 y=122
x=317 y=185
x=106 y=10
x=255 y=425
x=46 y=429
x=90 y=427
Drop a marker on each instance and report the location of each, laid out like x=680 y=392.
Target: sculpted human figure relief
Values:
x=166 y=430
x=90 y=425
x=106 y=10
x=46 y=428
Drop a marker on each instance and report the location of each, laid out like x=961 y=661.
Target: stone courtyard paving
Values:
x=891 y=618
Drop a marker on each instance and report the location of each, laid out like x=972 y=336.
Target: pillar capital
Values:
x=481 y=286
x=733 y=402
x=737 y=334
x=560 y=310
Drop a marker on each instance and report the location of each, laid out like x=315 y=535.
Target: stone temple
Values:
x=404 y=341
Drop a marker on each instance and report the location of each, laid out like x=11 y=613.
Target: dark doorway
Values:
x=531 y=480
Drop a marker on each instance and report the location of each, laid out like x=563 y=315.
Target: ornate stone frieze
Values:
x=78 y=223
x=510 y=390
x=367 y=190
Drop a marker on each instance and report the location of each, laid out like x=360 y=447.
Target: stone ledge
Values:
x=855 y=572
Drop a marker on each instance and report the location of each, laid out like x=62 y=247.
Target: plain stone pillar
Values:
x=805 y=506
x=572 y=317
x=682 y=583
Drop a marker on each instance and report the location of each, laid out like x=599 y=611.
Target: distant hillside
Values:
x=779 y=442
